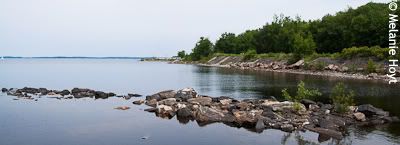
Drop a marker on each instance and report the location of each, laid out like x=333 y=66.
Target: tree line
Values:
x=365 y=26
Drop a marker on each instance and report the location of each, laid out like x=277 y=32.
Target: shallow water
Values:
x=88 y=121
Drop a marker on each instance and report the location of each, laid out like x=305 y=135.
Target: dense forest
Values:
x=365 y=26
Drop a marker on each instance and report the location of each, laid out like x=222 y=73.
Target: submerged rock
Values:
x=122 y=108
x=134 y=95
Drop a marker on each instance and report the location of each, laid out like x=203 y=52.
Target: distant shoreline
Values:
x=73 y=57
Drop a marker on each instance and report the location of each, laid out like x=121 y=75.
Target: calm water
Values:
x=87 y=121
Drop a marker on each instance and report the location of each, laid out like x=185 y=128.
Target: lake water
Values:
x=88 y=121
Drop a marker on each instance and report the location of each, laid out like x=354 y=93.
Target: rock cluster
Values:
x=260 y=114
x=29 y=93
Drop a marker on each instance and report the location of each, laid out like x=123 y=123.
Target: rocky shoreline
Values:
x=261 y=114
x=253 y=114
x=332 y=68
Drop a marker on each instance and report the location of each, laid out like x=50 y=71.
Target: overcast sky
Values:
x=138 y=28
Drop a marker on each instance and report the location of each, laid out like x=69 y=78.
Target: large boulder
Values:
x=162 y=95
x=200 y=100
x=184 y=113
x=186 y=94
x=165 y=111
x=168 y=102
x=370 y=110
x=209 y=115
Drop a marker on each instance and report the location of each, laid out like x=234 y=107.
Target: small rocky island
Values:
x=260 y=114
x=253 y=114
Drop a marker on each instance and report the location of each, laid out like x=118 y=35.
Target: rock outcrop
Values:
x=260 y=114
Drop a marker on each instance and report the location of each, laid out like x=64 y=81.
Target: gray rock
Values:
x=152 y=103
x=260 y=125
x=64 y=92
x=168 y=102
x=138 y=102
x=184 y=113
x=359 y=116
x=370 y=110
x=200 y=100
x=162 y=95
x=43 y=91
x=210 y=115
x=100 y=94
x=134 y=95
x=4 y=90
x=151 y=109
x=186 y=94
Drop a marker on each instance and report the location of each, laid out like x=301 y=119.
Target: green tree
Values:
x=226 y=44
x=303 y=45
x=203 y=48
x=182 y=54
x=246 y=41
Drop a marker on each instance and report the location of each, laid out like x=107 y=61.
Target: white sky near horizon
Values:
x=138 y=28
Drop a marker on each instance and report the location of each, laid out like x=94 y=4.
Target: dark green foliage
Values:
x=342 y=98
x=226 y=44
x=302 y=93
x=182 y=54
x=364 y=26
x=202 y=49
x=280 y=35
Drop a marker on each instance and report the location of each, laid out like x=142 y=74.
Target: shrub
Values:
x=302 y=93
x=250 y=54
x=320 y=65
x=342 y=98
x=376 y=51
x=371 y=66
